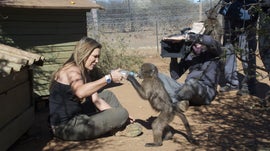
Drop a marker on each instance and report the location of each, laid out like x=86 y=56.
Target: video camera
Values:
x=173 y=48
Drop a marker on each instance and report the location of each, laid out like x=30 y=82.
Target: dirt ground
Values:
x=231 y=122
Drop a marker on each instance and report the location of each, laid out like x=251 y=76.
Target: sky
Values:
x=195 y=1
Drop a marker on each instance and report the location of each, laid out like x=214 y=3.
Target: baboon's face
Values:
x=148 y=70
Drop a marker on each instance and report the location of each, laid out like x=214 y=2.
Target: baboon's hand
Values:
x=130 y=78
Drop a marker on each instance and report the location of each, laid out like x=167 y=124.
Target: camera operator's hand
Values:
x=191 y=37
x=174 y=60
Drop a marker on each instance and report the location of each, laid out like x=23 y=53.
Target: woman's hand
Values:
x=116 y=76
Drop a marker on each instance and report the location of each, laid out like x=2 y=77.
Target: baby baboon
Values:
x=152 y=89
x=211 y=24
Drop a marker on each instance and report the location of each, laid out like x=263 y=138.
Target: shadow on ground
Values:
x=231 y=122
x=234 y=123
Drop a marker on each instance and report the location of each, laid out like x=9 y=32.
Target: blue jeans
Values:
x=193 y=90
x=230 y=67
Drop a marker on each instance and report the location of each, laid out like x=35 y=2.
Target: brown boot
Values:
x=183 y=105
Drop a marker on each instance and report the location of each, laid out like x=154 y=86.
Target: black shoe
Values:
x=243 y=91
x=228 y=88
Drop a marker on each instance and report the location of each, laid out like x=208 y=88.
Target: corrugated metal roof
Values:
x=50 y=4
x=14 y=59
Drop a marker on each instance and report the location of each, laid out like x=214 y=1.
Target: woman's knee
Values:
x=106 y=94
x=110 y=98
x=122 y=113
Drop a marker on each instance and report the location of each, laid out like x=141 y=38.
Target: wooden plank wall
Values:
x=55 y=56
x=16 y=105
x=51 y=33
x=16 y=128
x=35 y=27
x=15 y=96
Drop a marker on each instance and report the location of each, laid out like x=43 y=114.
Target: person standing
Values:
x=230 y=62
x=242 y=24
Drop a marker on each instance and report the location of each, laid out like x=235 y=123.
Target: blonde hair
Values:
x=82 y=50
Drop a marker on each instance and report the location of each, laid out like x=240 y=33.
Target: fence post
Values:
x=95 y=21
x=157 y=36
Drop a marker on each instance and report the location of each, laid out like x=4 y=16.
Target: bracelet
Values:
x=110 y=75
x=108 y=78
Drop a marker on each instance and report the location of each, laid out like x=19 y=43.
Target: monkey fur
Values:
x=152 y=89
x=211 y=24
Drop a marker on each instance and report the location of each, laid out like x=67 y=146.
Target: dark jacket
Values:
x=236 y=14
x=204 y=67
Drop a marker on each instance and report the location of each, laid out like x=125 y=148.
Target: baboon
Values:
x=211 y=24
x=152 y=89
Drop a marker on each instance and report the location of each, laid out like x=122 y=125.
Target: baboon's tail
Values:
x=182 y=116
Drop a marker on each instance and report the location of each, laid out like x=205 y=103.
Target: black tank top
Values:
x=63 y=104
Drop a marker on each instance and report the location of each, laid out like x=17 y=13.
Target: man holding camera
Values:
x=203 y=63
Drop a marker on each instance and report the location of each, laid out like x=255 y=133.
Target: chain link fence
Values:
x=141 y=24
